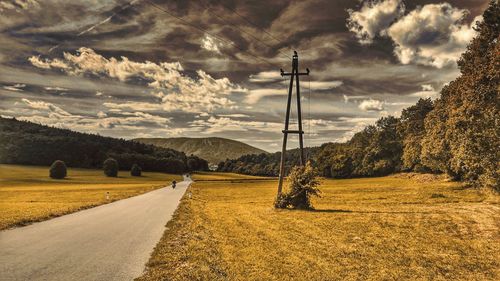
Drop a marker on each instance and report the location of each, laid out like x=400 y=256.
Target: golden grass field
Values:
x=402 y=227
x=27 y=194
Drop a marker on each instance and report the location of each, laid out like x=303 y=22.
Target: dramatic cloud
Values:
x=432 y=35
x=371 y=105
x=144 y=73
x=178 y=92
x=374 y=18
x=48 y=113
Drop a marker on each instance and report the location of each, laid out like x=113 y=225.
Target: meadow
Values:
x=400 y=227
x=27 y=194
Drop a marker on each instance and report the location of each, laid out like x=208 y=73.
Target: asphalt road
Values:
x=109 y=242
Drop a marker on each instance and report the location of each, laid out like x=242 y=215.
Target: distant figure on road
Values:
x=173 y=184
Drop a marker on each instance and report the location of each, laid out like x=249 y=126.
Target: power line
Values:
x=241 y=30
x=209 y=33
x=94 y=26
x=252 y=24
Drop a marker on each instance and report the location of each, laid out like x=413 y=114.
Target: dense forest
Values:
x=264 y=164
x=457 y=134
x=28 y=143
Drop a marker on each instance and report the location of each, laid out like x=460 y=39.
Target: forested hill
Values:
x=265 y=164
x=457 y=134
x=28 y=143
x=212 y=149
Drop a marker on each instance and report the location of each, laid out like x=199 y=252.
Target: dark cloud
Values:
x=98 y=101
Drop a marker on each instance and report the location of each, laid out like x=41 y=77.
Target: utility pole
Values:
x=294 y=74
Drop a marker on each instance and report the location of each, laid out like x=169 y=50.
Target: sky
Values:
x=150 y=68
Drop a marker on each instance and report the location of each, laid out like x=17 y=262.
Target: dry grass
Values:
x=218 y=176
x=27 y=194
x=390 y=228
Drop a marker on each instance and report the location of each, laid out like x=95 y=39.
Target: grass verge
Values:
x=28 y=195
x=389 y=228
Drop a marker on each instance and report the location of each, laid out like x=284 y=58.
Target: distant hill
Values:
x=214 y=150
x=28 y=143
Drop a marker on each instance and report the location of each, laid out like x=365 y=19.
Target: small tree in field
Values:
x=136 y=171
x=58 y=170
x=302 y=184
x=110 y=167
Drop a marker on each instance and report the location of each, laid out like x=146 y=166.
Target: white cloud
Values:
x=17 y=4
x=51 y=114
x=355 y=98
x=57 y=89
x=234 y=115
x=224 y=124
x=265 y=77
x=255 y=96
x=101 y=114
x=428 y=91
x=140 y=106
x=431 y=35
x=317 y=85
x=178 y=92
x=53 y=110
x=374 y=18
x=371 y=105
x=323 y=85
x=47 y=64
x=210 y=44
x=15 y=87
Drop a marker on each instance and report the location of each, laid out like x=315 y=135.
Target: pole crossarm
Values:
x=292 y=132
x=291 y=73
x=294 y=75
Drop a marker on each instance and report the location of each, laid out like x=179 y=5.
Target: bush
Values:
x=302 y=184
x=110 y=167
x=58 y=170
x=136 y=171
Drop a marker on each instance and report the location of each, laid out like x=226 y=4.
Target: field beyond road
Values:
x=401 y=227
x=27 y=194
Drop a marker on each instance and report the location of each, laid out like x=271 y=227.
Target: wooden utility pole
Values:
x=294 y=74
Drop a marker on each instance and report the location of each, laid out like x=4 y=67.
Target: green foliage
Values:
x=194 y=163
x=411 y=130
x=136 y=171
x=264 y=164
x=110 y=167
x=58 y=170
x=27 y=143
x=462 y=132
x=302 y=184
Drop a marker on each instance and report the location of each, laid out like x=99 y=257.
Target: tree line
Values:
x=457 y=134
x=27 y=143
x=264 y=164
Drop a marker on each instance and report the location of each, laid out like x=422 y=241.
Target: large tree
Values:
x=462 y=132
x=411 y=130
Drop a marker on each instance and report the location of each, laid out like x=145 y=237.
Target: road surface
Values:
x=109 y=242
